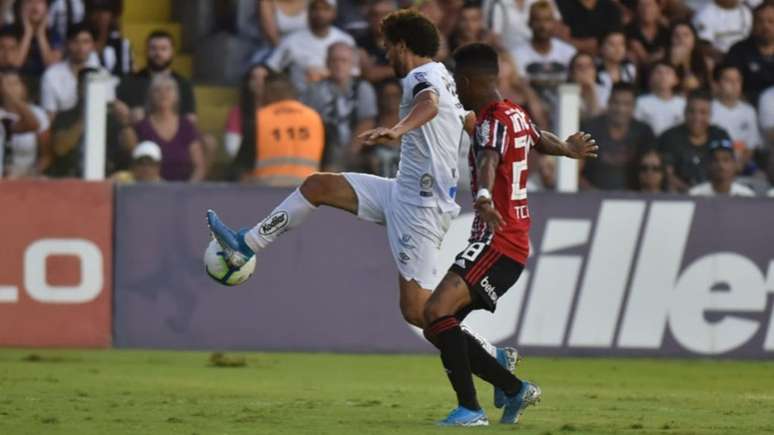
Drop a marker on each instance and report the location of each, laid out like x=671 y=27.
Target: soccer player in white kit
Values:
x=418 y=205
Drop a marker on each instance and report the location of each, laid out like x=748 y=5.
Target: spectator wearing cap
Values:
x=347 y=106
x=113 y=50
x=134 y=88
x=145 y=166
x=59 y=85
x=621 y=136
x=722 y=173
x=589 y=21
x=39 y=47
x=685 y=146
x=737 y=117
x=754 y=56
x=373 y=57
x=722 y=23
x=303 y=52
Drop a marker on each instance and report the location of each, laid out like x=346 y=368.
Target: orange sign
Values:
x=56 y=255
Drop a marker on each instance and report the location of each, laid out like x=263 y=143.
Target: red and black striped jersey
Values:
x=508 y=129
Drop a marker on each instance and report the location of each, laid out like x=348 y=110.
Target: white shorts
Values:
x=414 y=233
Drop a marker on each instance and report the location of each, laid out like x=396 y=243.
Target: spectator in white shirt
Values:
x=723 y=23
x=661 y=109
x=722 y=172
x=544 y=60
x=304 y=51
x=736 y=116
x=59 y=85
x=509 y=20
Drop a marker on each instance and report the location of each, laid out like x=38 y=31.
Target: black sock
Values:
x=446 y=334
x=486 y=367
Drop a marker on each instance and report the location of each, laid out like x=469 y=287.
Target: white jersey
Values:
x=427 y=172
x=740 y=121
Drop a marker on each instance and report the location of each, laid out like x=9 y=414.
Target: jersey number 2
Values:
x=519 y=189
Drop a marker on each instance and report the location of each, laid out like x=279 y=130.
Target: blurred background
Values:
x=153 y=101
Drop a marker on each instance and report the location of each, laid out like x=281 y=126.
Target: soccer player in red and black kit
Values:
x=499 y=244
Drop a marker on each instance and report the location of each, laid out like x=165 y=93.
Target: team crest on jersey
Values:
x=426 y=182
x=482 y=133
x=274 y=223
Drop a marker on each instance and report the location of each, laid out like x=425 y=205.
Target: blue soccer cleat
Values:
x=235 y=250
x=461 y=416
x=529 y=394
x=508 y=357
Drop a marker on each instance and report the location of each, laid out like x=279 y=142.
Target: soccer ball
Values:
x=217 y=268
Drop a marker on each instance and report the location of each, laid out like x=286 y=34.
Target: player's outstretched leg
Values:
x=318 y=189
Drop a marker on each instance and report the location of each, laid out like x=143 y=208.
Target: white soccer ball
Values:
x=217 y=268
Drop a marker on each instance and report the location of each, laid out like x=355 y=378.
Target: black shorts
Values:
x=487 y=272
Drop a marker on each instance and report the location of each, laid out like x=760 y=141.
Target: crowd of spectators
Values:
x=680 y=96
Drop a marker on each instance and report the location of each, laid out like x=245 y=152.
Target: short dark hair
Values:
x=160 y=34
x=76 y=29
x=723 y=67
x=8 y=32
x=766 y=4
x=624 y=87
x=414 y=29
x=472 y=4
x=615 y=31
x=698 y=94
x=477 y=57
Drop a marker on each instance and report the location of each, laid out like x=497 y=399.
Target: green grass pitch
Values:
x=139 y=392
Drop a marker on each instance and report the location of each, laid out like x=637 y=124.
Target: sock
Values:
x=446 y=334
x=291 y=213
x=487 y=346
x=486 y=367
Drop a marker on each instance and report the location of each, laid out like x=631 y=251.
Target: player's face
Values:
x=462 y=83
x=396 y=54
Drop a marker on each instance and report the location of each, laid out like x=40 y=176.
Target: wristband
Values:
x=483 y=193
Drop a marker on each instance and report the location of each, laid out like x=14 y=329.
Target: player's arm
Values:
x=487 y=161
x=423 y=110
x=578 y=146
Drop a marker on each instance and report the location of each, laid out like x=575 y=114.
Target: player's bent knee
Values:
x=316 y=188
x=433 y=311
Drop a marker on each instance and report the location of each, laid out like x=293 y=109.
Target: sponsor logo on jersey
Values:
x=489 y=288
x=274 y=223
x=420 y=76
x=426 y=183
x=403 y=258
x=461 y=263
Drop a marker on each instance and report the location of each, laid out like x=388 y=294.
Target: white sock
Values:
x=489 y=347
x=291 y=213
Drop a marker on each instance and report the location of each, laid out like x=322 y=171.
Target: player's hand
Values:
x=489 y=214
x=379 y=136
x=582 y=146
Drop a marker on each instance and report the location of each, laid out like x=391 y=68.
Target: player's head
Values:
x=475 y=73
x=408 y=34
